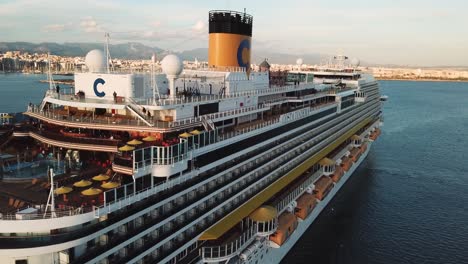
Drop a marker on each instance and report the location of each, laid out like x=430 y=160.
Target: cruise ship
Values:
x=214 y=163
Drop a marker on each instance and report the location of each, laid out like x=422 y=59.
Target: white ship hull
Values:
x=275 y=255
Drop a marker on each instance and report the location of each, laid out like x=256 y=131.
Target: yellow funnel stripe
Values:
x=243 y=211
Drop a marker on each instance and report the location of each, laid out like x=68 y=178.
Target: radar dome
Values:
x=299 y=61
x=172 y=65
x=96 y=61
x=355 y=62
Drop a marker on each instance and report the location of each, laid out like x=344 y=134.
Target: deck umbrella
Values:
x=82 y=183
x=195 y=132
x=101 y=177
x=126 y=148
x=110 y=185
x=63 y=190
x=134 y=142
x=185 y=135
x=91 y=191
x=149 y=139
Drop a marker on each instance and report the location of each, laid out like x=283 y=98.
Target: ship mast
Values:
x=108 y=56
x=153 y=81
x=50 y=79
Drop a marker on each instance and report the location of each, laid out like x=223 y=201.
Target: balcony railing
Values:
x=92 y=118
x=164 y=100
x=228 y=250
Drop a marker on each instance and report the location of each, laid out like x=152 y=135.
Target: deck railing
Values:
x=91 y=118
x=42 y=214
x=165 y=100
x=223 y=252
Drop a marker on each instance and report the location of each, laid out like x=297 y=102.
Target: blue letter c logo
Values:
x=96 y=82
x=245 y=44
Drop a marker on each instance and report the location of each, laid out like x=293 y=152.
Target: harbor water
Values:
x=406 y=203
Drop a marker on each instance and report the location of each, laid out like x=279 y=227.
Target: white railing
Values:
x=164 y=156
x=42 y=214
x=91 y=119
x=164 y=100
x=228 y=113
x=224 y=252
x=158 y=155
x=138 y=110
x=296 y=193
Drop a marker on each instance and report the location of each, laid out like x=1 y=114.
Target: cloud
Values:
x=89 y=24
x=199 y=27
x=54 y=28
x=156 y=23
x=148 y=35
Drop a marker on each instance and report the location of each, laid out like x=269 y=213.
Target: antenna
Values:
x=108 y=56
x=153 y=81
x=51 y=198
x=50 y=79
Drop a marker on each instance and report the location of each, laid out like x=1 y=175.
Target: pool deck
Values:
x=15 y=195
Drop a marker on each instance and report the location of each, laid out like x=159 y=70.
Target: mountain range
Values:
x=134 y=50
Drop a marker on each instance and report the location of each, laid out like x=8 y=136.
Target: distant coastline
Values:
x=421 y=79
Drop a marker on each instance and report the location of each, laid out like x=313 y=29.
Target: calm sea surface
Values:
x=406 y=203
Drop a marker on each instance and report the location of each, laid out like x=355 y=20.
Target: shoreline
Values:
x=377 y=78
x=420 y=80
x=60 y=81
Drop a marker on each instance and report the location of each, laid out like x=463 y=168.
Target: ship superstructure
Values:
x=207 y=165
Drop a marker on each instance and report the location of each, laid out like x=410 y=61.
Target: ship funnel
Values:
x=229 y=39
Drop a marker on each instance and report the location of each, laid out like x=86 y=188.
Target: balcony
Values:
x=87 y=119
x=61 y=140
x=229 y=247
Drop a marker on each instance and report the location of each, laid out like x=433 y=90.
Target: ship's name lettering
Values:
x=95 y=87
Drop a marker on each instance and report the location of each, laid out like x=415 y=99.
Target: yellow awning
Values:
x=264 y=214
x=226 y=223
x=110 y=185
x=327 y=162
x=63 y=190
x=126 y=148
x=134 y=142
x=149 y=139
x=7 y=116
x=195 y=132
x=185 y=135
x=91 y=191
x=82 y=183
x=101 y=177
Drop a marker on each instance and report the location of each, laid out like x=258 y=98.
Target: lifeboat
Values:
x=305 y=204
x=363 y=148
x=355 y=154
x=287 y=223
x=323 y=187
x=337 y=174
x=346 y=163
x=375 y=134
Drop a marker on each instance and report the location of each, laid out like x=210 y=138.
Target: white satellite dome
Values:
x=96 y=61
x=299 y=61
x=172 y=65
x=355 y=62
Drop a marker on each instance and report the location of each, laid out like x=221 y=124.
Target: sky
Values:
x=400 y=32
